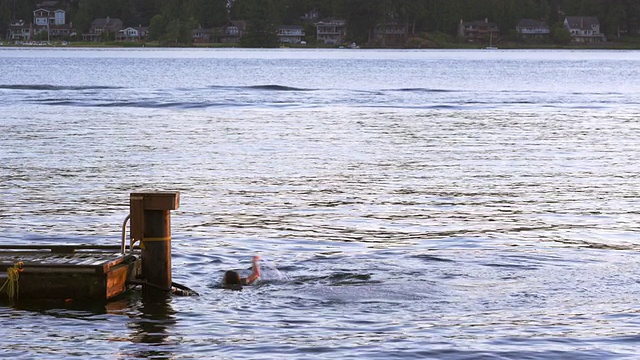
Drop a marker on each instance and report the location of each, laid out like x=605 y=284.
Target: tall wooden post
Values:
x=151 y=225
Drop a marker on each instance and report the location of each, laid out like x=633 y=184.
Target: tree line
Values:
x=173 y=20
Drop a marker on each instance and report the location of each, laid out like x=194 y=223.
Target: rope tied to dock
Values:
x=12 y=284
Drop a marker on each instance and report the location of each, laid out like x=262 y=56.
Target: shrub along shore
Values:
x=426 y=42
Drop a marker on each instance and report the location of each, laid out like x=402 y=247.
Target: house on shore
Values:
x=290 y=34
x=49 y=16
x=390 y=34
x=133 y=34
x=102 y=26
x=201 y=36
x=584 y=29
x=19 y=31
x=231 y=32
x=478 y=31
x=533 y=29
x=51 y=20
x=331 y=32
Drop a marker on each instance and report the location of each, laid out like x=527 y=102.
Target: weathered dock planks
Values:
x=68 y=272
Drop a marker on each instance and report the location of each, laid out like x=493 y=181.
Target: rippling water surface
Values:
x=407 y=204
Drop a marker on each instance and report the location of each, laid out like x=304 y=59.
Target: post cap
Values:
x=157 y=200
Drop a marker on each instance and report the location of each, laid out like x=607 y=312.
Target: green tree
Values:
x=412 y=12
x=504 y=14
x=553 y=12
x=544 y=10
x=41 y=36
x=107 y=36
x=633 y=16
x=173 y=31
x=186 y=31
x=129 y=14
x=262 y=17
x=5 y=17
x=310 y=33
x=157 y=28
x=591 y=8
x=172 y=9
x=211 y=13
x=560 y=35
x=362 y=17
x=526 y=9
x=22 y=10
x=84 y=16
x=616 y=17
x=292 y=10
x=145 y=10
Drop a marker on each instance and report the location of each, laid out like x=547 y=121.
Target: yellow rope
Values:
x=12 y=284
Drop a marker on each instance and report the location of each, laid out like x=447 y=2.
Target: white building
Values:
x=529 y=28
x=290 y=34
x=584 y=29
x=44 y=17
x=331 y=32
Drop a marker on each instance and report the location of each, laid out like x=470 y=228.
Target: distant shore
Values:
x=502 y=46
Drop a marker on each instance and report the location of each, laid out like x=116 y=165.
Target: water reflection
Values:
x=151 y=326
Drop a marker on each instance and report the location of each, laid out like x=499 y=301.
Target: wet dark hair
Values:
x=231 y=278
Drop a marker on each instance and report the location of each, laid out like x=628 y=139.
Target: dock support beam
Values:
x=151 y=225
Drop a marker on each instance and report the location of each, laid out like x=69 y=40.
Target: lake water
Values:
x=406 y=204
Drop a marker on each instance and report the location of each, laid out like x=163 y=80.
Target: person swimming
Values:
x=233 y=280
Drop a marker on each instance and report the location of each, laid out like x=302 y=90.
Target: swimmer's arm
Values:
x=255 y=271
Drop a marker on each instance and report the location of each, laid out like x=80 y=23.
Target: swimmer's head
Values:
x=231 y=278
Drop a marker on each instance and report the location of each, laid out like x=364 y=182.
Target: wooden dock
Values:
x=94 y=272
x=68 y=272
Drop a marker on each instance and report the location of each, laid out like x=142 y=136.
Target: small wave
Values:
x=432 y=258
x=164 y=105
x=55 y=87
x=507 y=265
x=341 y=276
x=423 y=90
x=140 y=104
x=512 y=102
x=62 y=103
x=272 y=87
x=425 y=107
x=277 y=88
x=336 y=279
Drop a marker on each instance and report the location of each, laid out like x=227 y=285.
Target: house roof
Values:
x=480 y=23
x=332 y=22
x=240 y=24
x=530 y=23
x=47 y=9
x=582 y=22
x=291 y=27
x=107 y=23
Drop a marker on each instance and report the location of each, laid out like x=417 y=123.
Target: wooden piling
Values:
x=151 y=225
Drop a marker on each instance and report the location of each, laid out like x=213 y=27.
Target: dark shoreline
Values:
x=506 y=46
